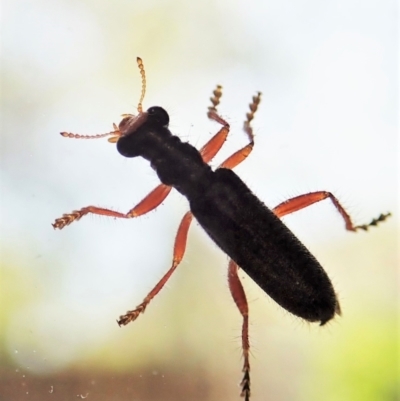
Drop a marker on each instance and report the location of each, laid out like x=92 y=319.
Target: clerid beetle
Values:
x=251 y=234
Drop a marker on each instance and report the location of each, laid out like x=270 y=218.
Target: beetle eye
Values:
x=159 y=115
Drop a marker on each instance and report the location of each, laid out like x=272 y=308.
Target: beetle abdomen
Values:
x=258 y=241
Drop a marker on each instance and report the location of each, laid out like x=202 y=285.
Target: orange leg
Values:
x=149 y=203
x=179 y=251
x=302 y=201
x=235 y=285
x=239 y=297
x=235 y=159
x=212 y=147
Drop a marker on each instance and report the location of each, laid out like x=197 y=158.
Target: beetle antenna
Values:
x=143 y=74
x=116 y=133
x=97 y=136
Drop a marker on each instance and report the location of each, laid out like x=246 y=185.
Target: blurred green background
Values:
x=328 y=121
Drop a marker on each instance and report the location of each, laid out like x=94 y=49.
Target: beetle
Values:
x=251 y=234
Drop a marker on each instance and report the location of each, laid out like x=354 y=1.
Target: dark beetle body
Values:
x=257 y=240
x=238 y=222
